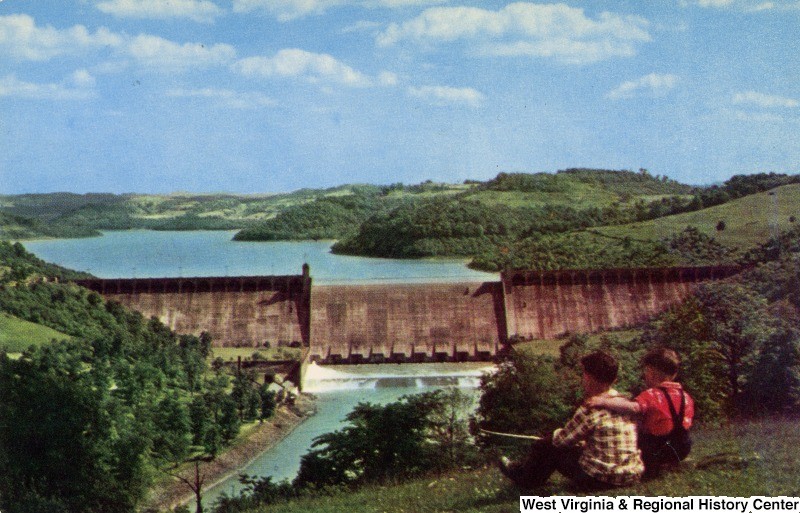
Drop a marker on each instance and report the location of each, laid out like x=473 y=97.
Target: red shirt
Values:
x=655 y=410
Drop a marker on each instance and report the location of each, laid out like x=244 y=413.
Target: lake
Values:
x=151 y=254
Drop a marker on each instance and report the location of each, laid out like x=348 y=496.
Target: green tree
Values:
x=392 y=441
x=245 y=395
x=229 y=421
x=774 y=384
x=56 y=443
x=684 y=329
x=172 y=429
x=527 y=395
x=267 y=402
x=738 y=324
x=450 y=428
x=719 y=333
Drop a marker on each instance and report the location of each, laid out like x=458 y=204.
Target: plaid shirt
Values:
x=610 y=453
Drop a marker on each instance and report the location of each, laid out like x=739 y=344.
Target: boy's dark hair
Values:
x=663 y=359
x=601 y=366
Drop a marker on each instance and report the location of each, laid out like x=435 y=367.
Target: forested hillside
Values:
x=116 y=401
x=83 y=215
x=547 y=221
x=327 y=217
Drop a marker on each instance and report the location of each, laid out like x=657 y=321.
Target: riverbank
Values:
x=261 y=437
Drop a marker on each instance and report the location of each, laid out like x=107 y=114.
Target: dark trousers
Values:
x=543 y=459
x=659 y=452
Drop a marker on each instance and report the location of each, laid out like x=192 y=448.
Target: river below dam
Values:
x=337 y=389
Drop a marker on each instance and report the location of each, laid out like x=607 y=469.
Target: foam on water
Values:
x=320 y=378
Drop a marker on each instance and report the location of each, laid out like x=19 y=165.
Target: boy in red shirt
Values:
x=664 y=409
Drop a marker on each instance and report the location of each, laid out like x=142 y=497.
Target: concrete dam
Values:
x=463 y=321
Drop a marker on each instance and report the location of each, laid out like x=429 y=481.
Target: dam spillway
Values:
x=444 y=322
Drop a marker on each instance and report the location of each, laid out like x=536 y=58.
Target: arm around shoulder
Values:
x=616 y=405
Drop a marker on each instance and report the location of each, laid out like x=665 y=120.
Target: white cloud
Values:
x=23 y=40
x=444 y=95
x=362 y=26
x=225 y=97
x=654 y=84
x=296 y=63
x=764 y=100
x=82 y=78
x=287 y=10
x=156 y=52
x=765 y=6
x=750 y=6
x=525 y=29
x=387 y=78
x=12 y=87
x=714 y=3
x=197 y=10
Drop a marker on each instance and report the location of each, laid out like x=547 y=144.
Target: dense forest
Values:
x=91 y=421
x=329 y=217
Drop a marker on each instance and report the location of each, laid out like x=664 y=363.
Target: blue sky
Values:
x=254 y=96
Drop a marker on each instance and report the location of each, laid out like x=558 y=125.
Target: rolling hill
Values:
x=748 y=221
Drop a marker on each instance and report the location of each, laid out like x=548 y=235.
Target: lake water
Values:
x=151 y=254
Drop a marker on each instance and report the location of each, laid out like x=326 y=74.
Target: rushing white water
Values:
x=318 y=378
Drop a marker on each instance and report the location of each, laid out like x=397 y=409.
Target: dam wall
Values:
x=548 y=304
x=236 y=312
x=407 y=322
x=463 y=321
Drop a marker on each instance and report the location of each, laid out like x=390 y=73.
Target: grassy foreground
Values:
x=760 y=458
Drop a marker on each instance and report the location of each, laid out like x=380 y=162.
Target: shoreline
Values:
x=171 y=493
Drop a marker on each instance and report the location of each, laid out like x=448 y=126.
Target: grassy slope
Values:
x=762 y=457
x=16 y=335
x=579 y=195
x=748 y=221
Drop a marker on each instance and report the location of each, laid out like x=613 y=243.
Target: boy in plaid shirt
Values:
x=665 y=411
x=596 y=449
